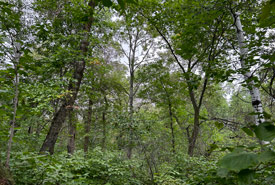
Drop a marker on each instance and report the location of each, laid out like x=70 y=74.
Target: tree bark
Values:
x=254 y=91
x=170 y=116
x=74 y=85
x=88 y=126
x=104 y=123
x=103 y=142
x=72 y=132
x=131 y=110
x=15 y=103
x=192 y=140
x=172 y=129
x=15 y=100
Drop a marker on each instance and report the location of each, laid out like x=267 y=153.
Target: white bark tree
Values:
x=254 y=91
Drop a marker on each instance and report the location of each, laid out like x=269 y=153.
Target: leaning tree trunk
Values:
x=74 y=85
x=254 y=91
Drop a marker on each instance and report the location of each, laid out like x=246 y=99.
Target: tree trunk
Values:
x=57 y=122
x=103 y=142
x=195 y=133
x=104 y=123
x=88 y=126
x=172 y=129
x=72 y=132
x=192 y=140
x=254 y=91
x=131 y=111
x=68 y=102
x=15 y=101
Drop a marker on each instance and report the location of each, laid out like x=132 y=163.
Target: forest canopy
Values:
x=157 y=92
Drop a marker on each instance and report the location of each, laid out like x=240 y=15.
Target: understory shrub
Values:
x=95 y=168
x=111 y=168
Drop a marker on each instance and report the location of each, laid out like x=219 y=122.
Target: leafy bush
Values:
x=248 y=166
x=95 y=168
x=110 y=168
x=191 y=171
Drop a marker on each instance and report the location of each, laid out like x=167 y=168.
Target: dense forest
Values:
x=137 y=92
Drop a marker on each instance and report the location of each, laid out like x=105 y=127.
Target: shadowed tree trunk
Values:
x=72 y=132
x=170 y=116
x=131 y=109
x=196 y=107
x=172 y=129
x=103 y=143
x=192 y=140
x=88 y=126
x=74 y=85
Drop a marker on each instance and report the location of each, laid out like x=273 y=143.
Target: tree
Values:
x=79 y=65
x=12 y=50
x=136 y=44
x=254 y=91
x=196 y=43
x=161 y=85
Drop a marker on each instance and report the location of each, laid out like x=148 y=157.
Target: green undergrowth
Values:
x=94 y=168
x=111 y=168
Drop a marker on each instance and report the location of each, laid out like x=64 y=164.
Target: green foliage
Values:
x=5 y=177
x=94 y=168
x=245 y=165
x=238 y=160
x=265 y=131
x=200 y=34
x=107 y=167
x=191 y=171
x=267 y=17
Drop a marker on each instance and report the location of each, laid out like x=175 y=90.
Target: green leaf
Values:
x=266 y=115
x=267 y=156
x=107 y=3
x=227 y=148
x=131 y=1
x=238 y=161
x=265 y=131
x=245 y=177
x=248 y=131
x=121 y=3
x=219 y=125
x=213 y=147
x=222 y=172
